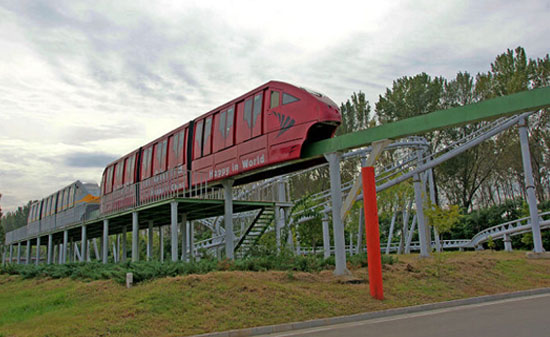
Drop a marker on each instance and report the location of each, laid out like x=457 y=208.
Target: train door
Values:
x=272 y=104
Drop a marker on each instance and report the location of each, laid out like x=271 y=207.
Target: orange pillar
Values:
x=372 y=233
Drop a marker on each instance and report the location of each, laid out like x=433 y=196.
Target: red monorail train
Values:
x=252 y=133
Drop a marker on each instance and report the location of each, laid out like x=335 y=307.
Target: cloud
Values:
x=81 y=159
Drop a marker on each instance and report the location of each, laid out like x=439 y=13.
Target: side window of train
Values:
x=207 y=143
x=257 y=115
x=71 y=196
x=274 y=101
x=181 y=149
x=59 y=201
x=197 y=151
x=287 y=99
x=164 y=156
x=65 y=198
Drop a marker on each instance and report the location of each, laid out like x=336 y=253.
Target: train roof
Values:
x=84 y=185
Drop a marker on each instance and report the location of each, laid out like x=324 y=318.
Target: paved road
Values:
x=518 y=317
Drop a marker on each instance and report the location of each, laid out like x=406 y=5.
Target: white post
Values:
x=174 y=229
x=326 y=235
x=105 y=253
x=161 y=244
x=135 y=237
x=150 y=240
x=18 y=252
x=184 y=237
x=124 y=248
x=37 y=251
x=84 y=244
x=228 y=219
x=530 y=186
x=28 y=252
x=337 y=225
x=424 y=251
x=50 y=249
x=65 y=245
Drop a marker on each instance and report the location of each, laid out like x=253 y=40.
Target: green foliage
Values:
x=491 y=243
x=310 y=231
x=442 y=219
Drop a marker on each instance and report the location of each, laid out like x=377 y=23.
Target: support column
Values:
x=105 y=252
x=191 y=242
x=124 y=252
x=278 y=228
x=135 y=237
x=174 y=229
x=390 y=233
x=11 y=253
x=530 y=186
x=228 y=218
x=83 y=244
x=161 y=244
x=65 y=246
x=183 y=229
x=150 y=240
x=3 y=255
x=50 y=249
x=28 y=252
x=507 y=242
x=424 y=244
x=337 y=226
x=360 y=231
x=326 y=234
x=37 y=251
x=431 y=185
x=19 y=253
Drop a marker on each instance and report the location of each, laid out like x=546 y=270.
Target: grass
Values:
x=232 y=299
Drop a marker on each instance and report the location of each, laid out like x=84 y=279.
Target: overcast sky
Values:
x=82 y=83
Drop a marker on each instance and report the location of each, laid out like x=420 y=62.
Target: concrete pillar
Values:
x=337 y=225
x=83 y=244
x=50 y=249
x=105 y=251
x=507 y=242
x=530 y=186
x=191 y=242
x=174 y=229
x=228 y=218
x=183 y=230
x=360 y=231
x=410 y=235
x=326 y=235
x=37 y=251
x=150 y=240
x=135 y=237
x=278 y=228
x=11 y=253
x=18 y=252
x=390 y=233
x=431 y=185
x=124 y=252
x=161 y=244
x=424 y=244
x=28 y=252
x=65 y=245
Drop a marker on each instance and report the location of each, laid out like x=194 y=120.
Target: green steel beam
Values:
x=492 y=108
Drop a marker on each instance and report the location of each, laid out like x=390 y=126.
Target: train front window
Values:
x=287 y=99
x=274 y=99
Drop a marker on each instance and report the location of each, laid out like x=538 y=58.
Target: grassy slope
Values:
x=230 y=300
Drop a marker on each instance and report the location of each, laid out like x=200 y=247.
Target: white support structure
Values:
x=124 y=252
x=96 y=250
x=50 y=250
x=191 y=237
x=390 y=233
x=360 y=231
x=28 y=252
x=422 y=231
x=410 y=235
x=337 y=225
x=105 y=253
x=431 y=185
x=507 y=242
x=174 y=230
x=37 y=251
x=228 y=219
x=65 y=246
x=18 y=253
x=183 y=230
x=83 y=244
x=326 y=235
x=161 y=244
x=150 y=240
x=135 y=237
x=530 y=185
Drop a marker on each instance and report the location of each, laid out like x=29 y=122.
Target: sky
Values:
x=83 y=83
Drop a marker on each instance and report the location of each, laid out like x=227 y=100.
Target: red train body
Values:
x=267 y=126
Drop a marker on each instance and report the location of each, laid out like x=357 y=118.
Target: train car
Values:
x=73 y=203
x=252 y=133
